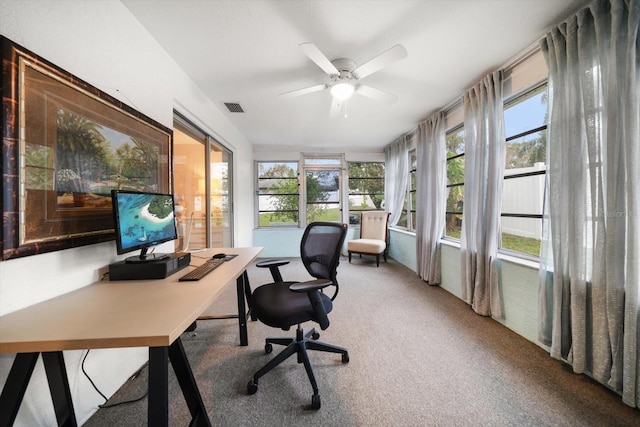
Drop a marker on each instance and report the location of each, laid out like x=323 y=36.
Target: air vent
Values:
x=234 y=107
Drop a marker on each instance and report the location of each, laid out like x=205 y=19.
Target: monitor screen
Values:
x=142 y=220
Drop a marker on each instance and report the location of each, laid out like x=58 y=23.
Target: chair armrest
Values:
x=312 y=289
x=273 y=265
x=311 y=285
x=272 y=262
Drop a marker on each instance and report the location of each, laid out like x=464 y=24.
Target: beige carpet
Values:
x=418 y=357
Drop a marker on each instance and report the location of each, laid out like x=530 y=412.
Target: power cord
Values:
x=131 y=378
x=89 y=378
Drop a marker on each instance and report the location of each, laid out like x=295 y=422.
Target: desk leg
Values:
x=15 y=387
x=59 y=386
x=158 y=406
x=187 y=382
x=241 y=282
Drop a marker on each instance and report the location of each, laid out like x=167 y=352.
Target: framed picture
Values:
x=65 y=146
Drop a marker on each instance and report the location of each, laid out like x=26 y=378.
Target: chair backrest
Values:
x=320 y=249
x=374 y=225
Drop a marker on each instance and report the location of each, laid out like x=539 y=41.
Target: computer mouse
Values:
x=218 y=256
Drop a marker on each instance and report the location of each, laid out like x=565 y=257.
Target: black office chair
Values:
x=284 y=304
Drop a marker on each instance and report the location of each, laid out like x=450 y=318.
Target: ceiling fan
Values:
x=345 y=76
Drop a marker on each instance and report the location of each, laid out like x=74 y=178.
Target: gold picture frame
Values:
x=65 y=146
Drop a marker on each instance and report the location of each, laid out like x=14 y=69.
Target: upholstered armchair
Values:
x=374 y=236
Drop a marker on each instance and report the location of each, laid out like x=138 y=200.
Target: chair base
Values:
x=384 y=255
x=299 y=346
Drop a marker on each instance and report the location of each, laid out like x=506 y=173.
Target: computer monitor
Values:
x=142 y=220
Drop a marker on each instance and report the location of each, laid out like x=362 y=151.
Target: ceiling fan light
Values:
x=342 y=91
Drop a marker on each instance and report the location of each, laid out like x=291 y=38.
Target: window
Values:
x=455 y=182
x=366 y=188
x=525 y=118
x=410 y=200
x=278 y=195
x=281 y=202
x=323 y=194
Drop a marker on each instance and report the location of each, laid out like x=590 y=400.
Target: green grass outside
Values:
x=510 y=242
x=525 y=245
x=328 y=215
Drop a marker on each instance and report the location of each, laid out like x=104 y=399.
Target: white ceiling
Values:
x=246 y=51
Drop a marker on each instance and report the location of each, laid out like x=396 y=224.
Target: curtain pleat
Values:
x=483 y=178
x=430 y=187
x=589 y=277
x=396 y=177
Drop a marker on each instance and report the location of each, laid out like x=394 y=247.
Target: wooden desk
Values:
x=141 y=313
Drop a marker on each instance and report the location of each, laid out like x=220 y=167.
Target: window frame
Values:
x=456 y=129
x=259 y=193
x=412 y=190
x=321 y=162
x=350 y=193
x=523 y=95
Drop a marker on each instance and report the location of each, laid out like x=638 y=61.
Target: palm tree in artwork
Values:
x=146 y=155
x=79 y=144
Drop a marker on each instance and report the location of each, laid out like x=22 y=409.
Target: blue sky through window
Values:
x=526 y=115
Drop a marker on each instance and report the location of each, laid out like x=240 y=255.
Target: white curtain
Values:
x=589 y=300
x=430 y=189
x=483 y=175
x=396 y=177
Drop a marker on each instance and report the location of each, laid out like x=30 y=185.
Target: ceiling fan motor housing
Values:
x=346 y=67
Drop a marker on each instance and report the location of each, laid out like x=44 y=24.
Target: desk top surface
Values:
x=132 y=313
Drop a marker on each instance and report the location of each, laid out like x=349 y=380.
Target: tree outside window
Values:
x=366 y=188
x=455 y=182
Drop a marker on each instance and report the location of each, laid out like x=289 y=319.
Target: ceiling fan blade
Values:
x=318 y=57
x=303 y=91
x=386 y=58
x=377 y=94
x=336 y=108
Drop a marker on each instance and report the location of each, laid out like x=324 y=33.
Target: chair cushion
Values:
x=277 y=306
x=374 y=225
x=369 y=246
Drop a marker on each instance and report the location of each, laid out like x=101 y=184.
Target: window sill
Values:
x=403 y=231
x=450 y=243
x=519 y=261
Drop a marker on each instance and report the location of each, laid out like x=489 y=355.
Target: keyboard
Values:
x=201 y=271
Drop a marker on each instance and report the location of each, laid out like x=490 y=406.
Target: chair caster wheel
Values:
x=252 y=387
x=315 y=401
x=268 y=348
x=345 y=358
x=315 y=335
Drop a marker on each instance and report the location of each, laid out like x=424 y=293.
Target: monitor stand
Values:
x=144 y=257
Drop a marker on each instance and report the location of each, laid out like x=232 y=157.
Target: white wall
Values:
x=519 y=282
x=102 y=43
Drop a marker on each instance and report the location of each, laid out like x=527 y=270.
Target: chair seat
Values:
x=370 y=246
x=277 y=306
